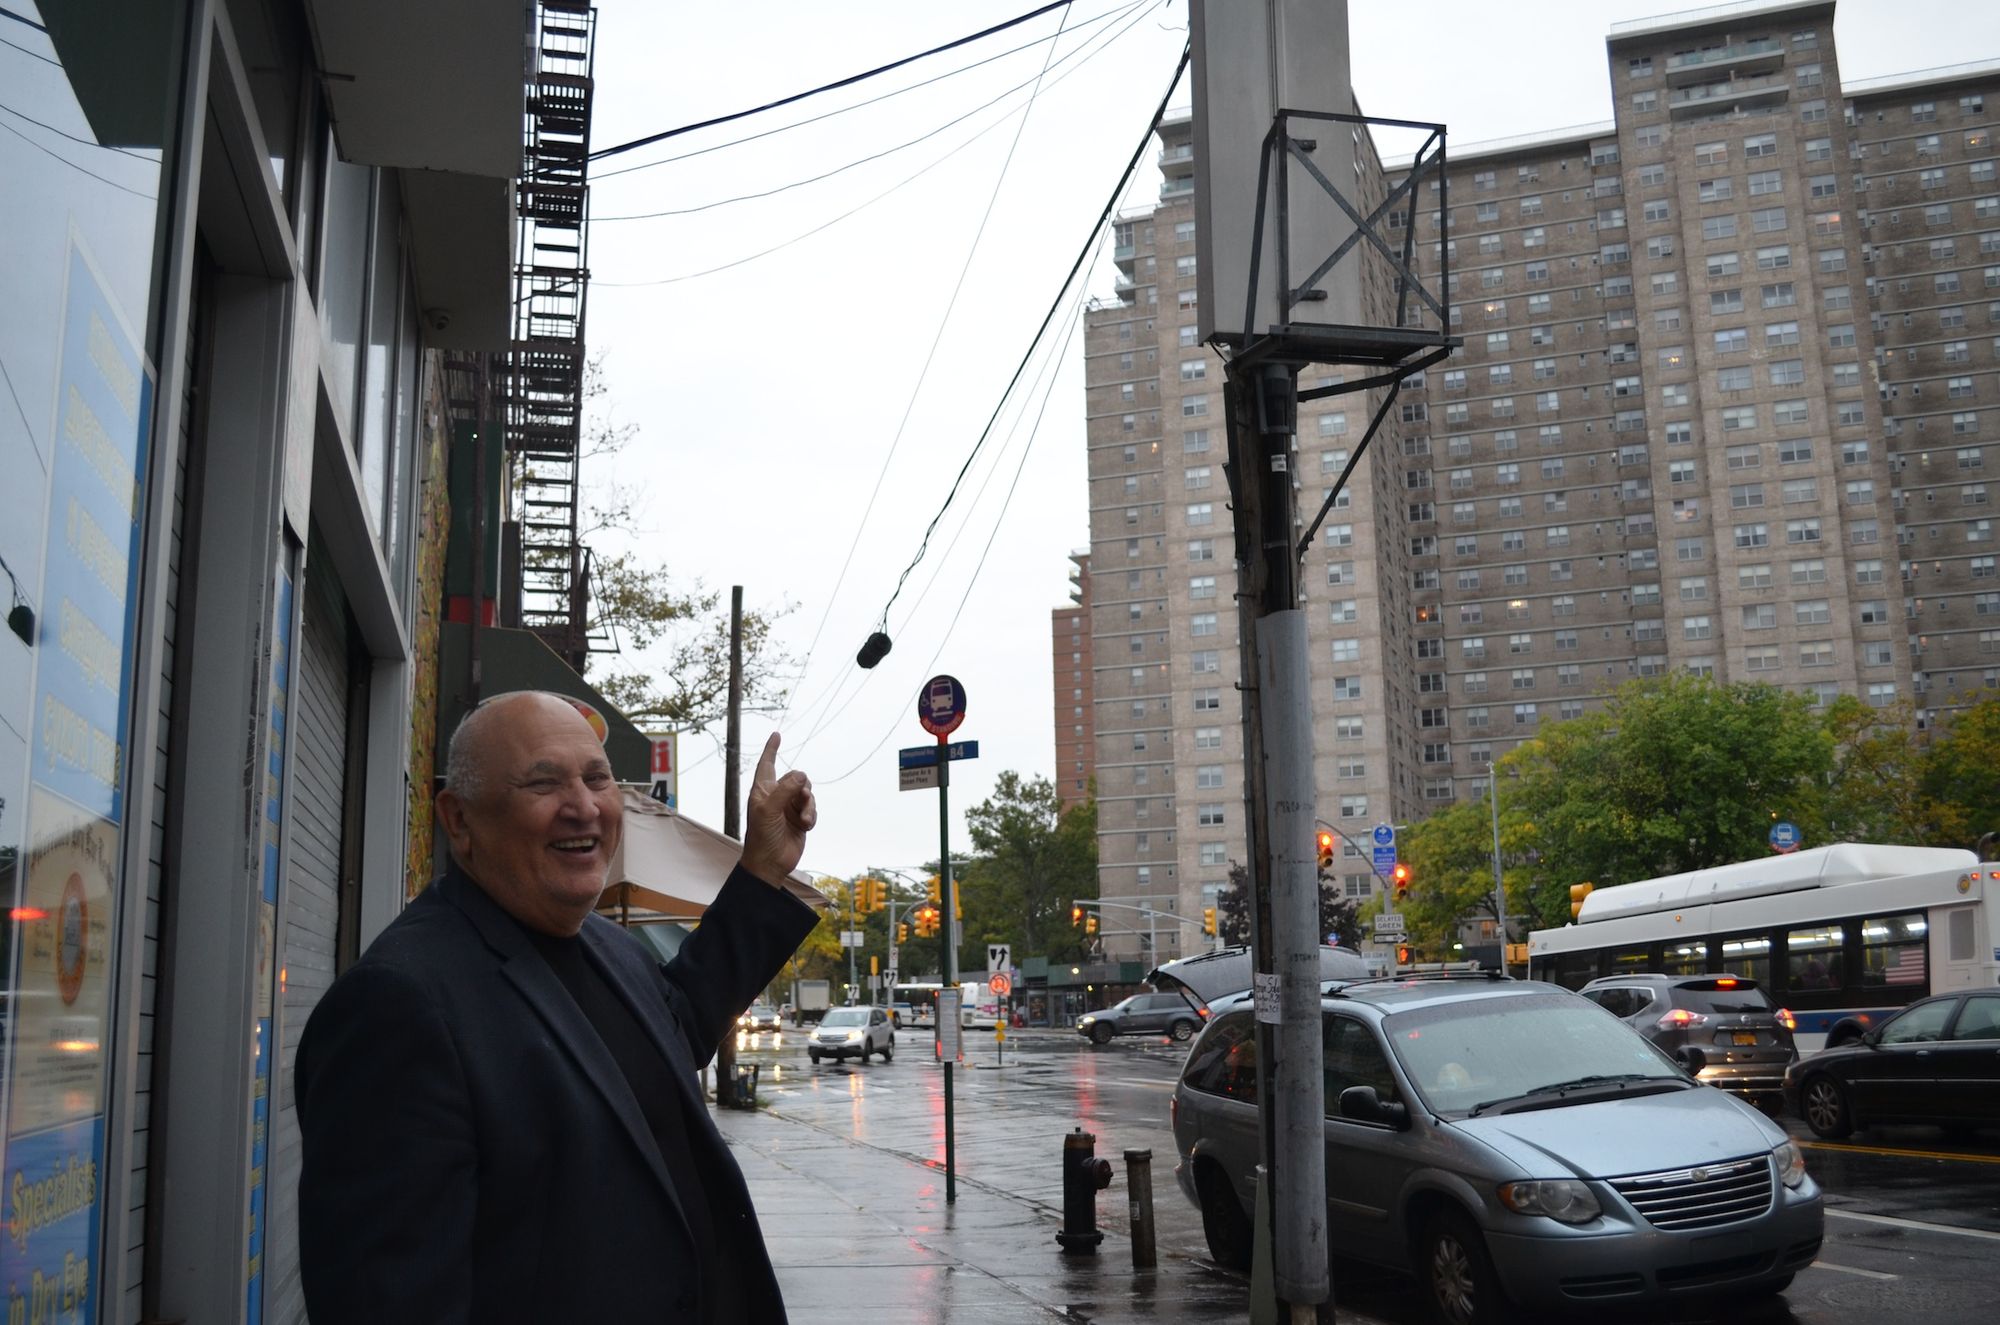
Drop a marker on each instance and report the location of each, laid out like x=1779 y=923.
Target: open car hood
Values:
x=1211 y=975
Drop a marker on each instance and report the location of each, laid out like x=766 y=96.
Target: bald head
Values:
x=531 y=809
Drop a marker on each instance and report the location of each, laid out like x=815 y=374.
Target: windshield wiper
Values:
x=1561 y=1088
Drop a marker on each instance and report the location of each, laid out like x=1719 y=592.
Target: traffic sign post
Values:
x=940 y=710
x=1385 y=849
x=917 y=766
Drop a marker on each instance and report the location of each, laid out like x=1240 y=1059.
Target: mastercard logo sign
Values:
x=593 y=717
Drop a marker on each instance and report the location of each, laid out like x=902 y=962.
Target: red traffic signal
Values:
x=1326 y=851
x=1403 y=955
x=1401 y=877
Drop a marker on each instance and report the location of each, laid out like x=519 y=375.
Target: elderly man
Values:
x=498 y=1101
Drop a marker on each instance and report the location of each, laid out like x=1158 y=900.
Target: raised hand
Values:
x=776 y=818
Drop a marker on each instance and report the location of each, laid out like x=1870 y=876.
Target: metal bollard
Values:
x=1084 y=1176
x=1139 y=1191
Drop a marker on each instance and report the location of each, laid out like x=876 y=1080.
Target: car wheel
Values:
x=1824 y=1103
x=1457 y=1274
x=889 y=1052
x=1182 y=1031
x=1101 y=1033
x=1223 y=1222
x=815 y=1059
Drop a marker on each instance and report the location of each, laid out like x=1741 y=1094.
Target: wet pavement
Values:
x=845 y=1163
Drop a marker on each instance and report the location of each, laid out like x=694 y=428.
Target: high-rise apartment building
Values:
x=1072 y=680
x=1718 y=409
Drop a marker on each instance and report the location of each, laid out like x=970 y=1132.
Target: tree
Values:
x=1339 y=916
x=1450 y=856
x=1674 y=774
x=1962 y=774
x=1031 y=861
x=639 y=605
x=1876 y=790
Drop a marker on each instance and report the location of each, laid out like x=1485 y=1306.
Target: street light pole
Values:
x=1499 y=881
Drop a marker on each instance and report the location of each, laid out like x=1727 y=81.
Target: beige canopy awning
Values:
x=670 y=868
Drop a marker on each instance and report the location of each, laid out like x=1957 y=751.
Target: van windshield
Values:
x=1460 y=1055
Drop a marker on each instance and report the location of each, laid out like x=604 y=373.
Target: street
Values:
x=1912 y=1230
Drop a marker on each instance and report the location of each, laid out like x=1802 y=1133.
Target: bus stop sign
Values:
x=1784 y=838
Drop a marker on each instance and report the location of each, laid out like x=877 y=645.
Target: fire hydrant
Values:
x=1084 y=1176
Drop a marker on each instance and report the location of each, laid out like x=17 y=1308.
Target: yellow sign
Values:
x=999 y=1032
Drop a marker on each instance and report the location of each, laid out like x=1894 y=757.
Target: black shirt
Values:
x=660 y=1100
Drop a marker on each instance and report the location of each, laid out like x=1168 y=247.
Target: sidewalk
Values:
x=860 y=1233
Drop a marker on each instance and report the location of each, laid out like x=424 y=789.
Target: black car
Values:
x=1745 y=1039
x=1142 y=1014
x=1936 y=1061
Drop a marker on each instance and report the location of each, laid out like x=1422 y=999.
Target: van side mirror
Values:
x=1362 y=1105
x=1692 y=1058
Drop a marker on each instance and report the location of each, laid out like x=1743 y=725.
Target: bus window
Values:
x=1748 y=954
x=1574 y=970
x=1684 y=958
x=1894 y=953
x=1630 y=961
x=1813 y=958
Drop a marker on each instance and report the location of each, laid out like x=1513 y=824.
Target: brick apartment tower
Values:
x=1727 y=357
x=1072 y=680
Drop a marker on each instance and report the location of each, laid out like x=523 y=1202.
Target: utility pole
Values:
x=732 y=812
x=1499 y=880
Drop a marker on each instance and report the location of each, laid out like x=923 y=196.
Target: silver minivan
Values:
x=1511 y=1145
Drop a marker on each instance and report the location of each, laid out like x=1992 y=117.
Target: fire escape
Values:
x=544 y=378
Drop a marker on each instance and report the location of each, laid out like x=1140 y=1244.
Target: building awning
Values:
x=518 y=660
x=670 y=867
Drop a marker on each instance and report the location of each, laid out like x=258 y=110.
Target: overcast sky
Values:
x=773 y=395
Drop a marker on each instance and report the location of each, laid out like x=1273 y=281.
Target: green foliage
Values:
x=1030 y=861
x=1339 y=916
x=1962 y=773
x=1450 y=856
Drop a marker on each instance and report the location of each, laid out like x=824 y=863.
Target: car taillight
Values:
x=1680 y=1019
x=1787 y=1020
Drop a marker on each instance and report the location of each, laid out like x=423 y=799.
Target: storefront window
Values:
x=89 y=99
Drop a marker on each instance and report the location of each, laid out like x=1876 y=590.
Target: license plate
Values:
x=1743 y=1037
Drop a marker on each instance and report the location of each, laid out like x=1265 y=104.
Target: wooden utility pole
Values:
x=732 y=812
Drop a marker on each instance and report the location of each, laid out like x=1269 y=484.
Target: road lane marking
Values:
x=1843 y=1148
x=1917 y=1224
x=1851 y=1269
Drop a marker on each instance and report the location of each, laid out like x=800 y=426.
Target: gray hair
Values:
x=464 y=777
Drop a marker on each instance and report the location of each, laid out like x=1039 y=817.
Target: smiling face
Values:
x=541 y=817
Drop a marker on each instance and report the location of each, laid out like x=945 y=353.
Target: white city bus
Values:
x=1840 y=935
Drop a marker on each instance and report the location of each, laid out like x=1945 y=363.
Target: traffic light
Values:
x=1090 y=924
x=1403 y=955
x=902 y=932
x=1401 y=878
x=958 y=903
x=864 y=890
x=937 y=890
x=1208 y=921
x=1075 y=916
x=1326 y=851
x=874 y=964
x=1577 y=892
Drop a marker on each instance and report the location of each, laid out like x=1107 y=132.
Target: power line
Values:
x=1082 y=256
x=73 y=165
x=87 y=142
x=601 y=177
x=873 y=156
x=849 y=81
x=930 y=357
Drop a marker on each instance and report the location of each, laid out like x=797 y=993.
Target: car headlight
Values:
x=1086 y=1021
x=1564 y=1200
x=856 y=1035
x=1791 y=1162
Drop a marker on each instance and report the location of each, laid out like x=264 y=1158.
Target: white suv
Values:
x=853 y=1033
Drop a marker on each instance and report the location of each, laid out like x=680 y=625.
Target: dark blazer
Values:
x=473 y=1152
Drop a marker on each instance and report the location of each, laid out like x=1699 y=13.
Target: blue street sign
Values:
x=925 y=756
x=1385 y=861
x=941 y=705
x=1784 y=837
x=1385 y=836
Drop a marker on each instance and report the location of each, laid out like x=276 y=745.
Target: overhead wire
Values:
x=834 y=86
x=1090 y=245
x=599 y=177
x=937 y=339
x=873 y=156
x=1104 y=44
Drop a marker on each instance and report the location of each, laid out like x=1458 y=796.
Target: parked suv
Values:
x=1745 y=1038
x=1142 y=1014
x=1505 y=1141
x=853 y=1033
